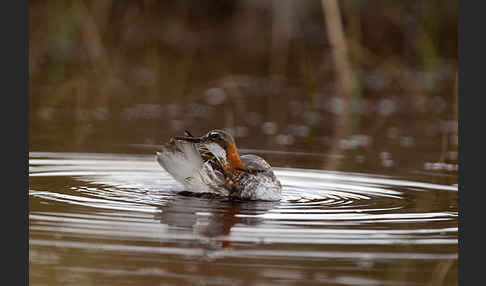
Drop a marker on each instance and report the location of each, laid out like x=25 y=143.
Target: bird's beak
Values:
x=191 y=139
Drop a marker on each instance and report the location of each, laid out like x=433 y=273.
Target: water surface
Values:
x=99 y=219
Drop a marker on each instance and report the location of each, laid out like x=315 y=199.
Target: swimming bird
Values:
x=212 y=164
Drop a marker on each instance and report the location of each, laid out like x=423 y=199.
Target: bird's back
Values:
x=259 y=182
x=254 y=162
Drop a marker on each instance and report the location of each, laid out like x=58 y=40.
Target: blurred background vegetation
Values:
x=341 y=85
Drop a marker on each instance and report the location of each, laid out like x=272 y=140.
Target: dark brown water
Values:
x=377 y=206
x=368 y=162
x=100 y=219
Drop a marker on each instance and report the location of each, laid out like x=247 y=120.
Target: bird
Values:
x=211 y=164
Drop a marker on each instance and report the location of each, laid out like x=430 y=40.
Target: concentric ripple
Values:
x=125 y=212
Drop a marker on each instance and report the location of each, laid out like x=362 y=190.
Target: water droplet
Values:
x=384 y=155
x=269 y=128
x=335 y=105
x=215 y=96
x=386 y=107
x=361 y=140
x=283 y=139
x=387 y=163
x=407 y=141
x=300 y=130
x=45 y=113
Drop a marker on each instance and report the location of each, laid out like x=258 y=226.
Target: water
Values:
x=99 y=219
x=370 y=176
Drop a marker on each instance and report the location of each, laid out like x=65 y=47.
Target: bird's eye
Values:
x=213 y=135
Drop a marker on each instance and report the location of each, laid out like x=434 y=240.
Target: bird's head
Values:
x=222 y=145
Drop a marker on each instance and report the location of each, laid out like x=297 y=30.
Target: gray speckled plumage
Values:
x=199 y=167
x=260 y=183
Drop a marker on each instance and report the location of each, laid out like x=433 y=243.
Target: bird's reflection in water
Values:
x=208 y=220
